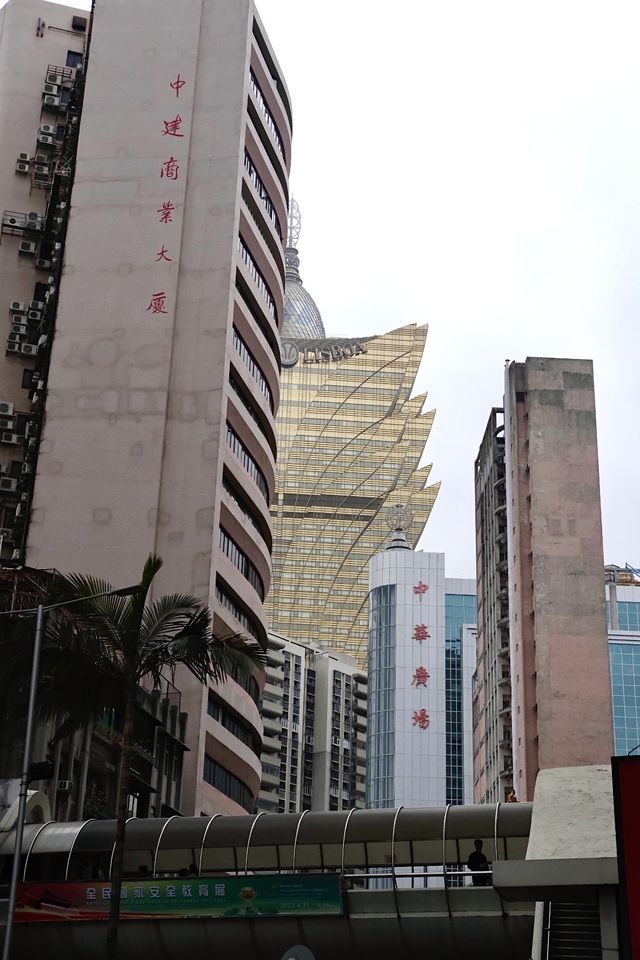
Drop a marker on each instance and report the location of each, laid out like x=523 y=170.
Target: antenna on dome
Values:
x=293 y=224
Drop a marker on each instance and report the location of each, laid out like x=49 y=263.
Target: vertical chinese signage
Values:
x=420 y=680
x=171 y=172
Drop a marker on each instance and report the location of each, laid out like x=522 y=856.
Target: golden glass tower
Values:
x=350 y=440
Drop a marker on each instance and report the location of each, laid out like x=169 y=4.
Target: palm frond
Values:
x=165 y=617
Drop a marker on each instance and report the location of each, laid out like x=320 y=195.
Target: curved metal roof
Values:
x=346 y=840
x=302 y=319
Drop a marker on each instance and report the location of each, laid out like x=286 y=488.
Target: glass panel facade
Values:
x=382 y=678
x=460 y=609
x=625 y=690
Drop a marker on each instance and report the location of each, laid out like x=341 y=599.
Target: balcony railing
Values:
x=258 y=279
x=262 y=191
x=267 y=116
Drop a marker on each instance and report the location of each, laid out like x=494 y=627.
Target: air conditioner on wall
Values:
x=6 y=533
x=29 y=349
x=13 y=348
x=51 y=101
x=43 y=264
x=12 y=438
x=27 y=246
x=6 y=408
x=20 y=328
x=18 y=306
x=36 y=305
x=47 y=128
x=22 y=167
x=45 y=139
x=13 y=338
x=8 y=485
x=54 y=77
x=53 y=88
x=42 y=158
x=24 y=157
x=6 y=423
x=35 y=315
x=41 y=168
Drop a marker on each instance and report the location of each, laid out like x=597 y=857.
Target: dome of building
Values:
x=302 y=319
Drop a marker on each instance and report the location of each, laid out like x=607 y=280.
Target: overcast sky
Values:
x=476 y=166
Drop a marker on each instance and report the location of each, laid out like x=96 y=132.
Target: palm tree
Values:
x=96 y=652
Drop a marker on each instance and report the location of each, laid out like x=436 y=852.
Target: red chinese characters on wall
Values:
x=172 y=127
x=421 y=632
x=420 y=719
x=170 y=169
x=158 y=302
x=420 y=589
x=163 y=254
x=177 y=85
x=166 y=212
x=420 y=677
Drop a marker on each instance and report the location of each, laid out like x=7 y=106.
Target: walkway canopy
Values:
x=351 y=842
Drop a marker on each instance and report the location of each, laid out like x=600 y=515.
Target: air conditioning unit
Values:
x=8 y=485
x=20 y=328
x=51 y=101
x=33 y=216
x=6 y=533
x=13 y=338
x=48 y=129
x=22 y=167
x=42 y=158
x=36 y=305
x=18 y=306
x=12 y=438
x=29 y=349
x=6 y=409
x=6 y=423
x=24 y=157
x=13 y=348
x=65 y=786
x=52 y=88
x=54 y=77
x=35 y=315
x=41 y=168
x=43 y=264
x=45 y=139
x=27 y=246
x=41 y=178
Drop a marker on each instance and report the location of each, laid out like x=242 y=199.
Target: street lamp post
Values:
x=39 y=611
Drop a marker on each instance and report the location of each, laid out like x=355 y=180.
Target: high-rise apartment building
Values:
x=350 y=440
x=162 y=380
x=493 y=758
x=560 y=715
x=622 y=596
x=314 y=706
x=421 y=661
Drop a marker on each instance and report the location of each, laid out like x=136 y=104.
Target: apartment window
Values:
x=241 y=561
x=253 y=366
x=74 y=58
x=226 y=782
x=240 y=730
x=258 y=278
x=247 y=461
x=228 y=601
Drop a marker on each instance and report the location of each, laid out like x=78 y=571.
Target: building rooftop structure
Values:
x=302 y=318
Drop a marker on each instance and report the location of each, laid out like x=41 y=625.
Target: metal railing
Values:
x=262 y=191
x=258 y=279
x=267 y=116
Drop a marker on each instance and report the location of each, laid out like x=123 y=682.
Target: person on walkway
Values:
x=478 y=862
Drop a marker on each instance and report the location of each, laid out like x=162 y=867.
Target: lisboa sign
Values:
x=291 y=353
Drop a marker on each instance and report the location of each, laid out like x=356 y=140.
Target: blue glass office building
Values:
x=459 y=610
